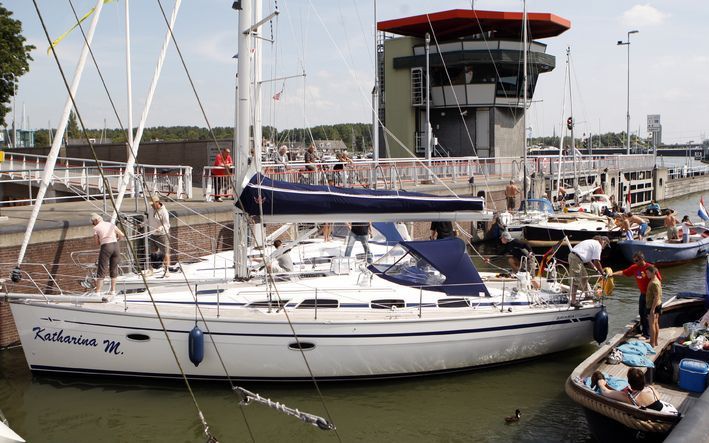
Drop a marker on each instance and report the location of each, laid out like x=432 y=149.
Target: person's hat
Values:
x=605 y=240
x=96 y=217
x=155 y=199
x=506 y=236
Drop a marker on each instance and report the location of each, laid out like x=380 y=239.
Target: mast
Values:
x=56 y=142
x=257 y=80
x=573 y=142
x=242 y=151
x=129 y=83
x=375 y=96
x=428 y=106
x=524 y=103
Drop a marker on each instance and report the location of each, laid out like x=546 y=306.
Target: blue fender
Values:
x=196 y=345
x=600 y=326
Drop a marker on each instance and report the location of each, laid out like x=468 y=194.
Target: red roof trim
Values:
x=541 y=24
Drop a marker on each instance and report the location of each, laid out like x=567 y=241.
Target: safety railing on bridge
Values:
x=407 y=173
x=687 y=172
x=81 y=178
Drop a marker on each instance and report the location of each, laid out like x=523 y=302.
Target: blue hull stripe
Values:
x=401 y=334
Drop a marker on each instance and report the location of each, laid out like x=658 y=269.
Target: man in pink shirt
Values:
x=106 y=235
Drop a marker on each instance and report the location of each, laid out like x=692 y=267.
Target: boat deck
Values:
x=680 y=399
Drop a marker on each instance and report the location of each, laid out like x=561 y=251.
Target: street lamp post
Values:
x=627 y=115
x=14 y=93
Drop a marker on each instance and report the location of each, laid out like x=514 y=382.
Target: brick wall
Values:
x=187 y=241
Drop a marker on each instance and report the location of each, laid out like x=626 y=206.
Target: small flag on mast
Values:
x=702 y=212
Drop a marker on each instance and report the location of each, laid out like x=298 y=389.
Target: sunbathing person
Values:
x=638 y=394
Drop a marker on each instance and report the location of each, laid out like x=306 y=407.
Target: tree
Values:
x=72 y=127
x=14 y=57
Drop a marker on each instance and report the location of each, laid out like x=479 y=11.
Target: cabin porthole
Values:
x=301 y=346
x=138 y=337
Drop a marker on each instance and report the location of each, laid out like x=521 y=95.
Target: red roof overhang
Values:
x=456 y=23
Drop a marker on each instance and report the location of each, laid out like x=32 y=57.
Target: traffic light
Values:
x=570 y=123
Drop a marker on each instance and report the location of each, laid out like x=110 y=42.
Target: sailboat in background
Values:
x=422 y=308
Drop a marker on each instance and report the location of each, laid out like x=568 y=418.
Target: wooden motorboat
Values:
x=611 y=420
x=657 y=219
x=662 y=251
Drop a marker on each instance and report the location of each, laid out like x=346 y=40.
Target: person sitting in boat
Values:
x=587 y=251
x=283 y=263
x=654 y=303
x=686 y=228
x=608 y=212
x=515 y=250
x=638 y=393
x=644 y=225
x=671 y=223
x=653 y=208
x=639 y=270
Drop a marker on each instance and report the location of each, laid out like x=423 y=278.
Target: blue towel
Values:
x=643 y=344
x=637 y=360
x=615 y=383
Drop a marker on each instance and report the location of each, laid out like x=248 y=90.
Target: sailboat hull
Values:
x=106 y=340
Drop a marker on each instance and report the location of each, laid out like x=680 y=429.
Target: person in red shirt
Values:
x=222 y=169
x=638 y=270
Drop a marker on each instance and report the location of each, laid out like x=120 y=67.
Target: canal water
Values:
x=452 y=408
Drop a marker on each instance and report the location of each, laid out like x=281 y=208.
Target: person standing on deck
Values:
x=511 y=192
x=639 y=270
x=587 y=251
x=159 y=231
x=441 y=230
x=106 y=235
x=654 y=303
x=359 y=231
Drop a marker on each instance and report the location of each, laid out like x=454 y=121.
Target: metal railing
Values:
x=81 y=177
x=687 y=172
x=400 y=173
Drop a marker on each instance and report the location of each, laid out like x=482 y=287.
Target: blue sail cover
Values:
x=449 y=258
x=267 y=197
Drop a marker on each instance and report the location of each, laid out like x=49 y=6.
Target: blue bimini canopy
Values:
x=278 y=201
x=391 y=235
x=449 y=257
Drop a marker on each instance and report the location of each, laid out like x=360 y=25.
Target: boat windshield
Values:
x=540 y=205
x=402 y=266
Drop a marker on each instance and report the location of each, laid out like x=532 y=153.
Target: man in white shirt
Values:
x=159 y=231
x=587 y=251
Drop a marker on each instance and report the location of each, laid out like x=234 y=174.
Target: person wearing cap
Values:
x=516 y=249
x=159 y=231
x=587 y=251
x=106 y=235
x=222 y=170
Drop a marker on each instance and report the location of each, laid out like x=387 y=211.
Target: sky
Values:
x=332 y=42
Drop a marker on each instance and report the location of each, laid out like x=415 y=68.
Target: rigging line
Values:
x=189 y=76
x=204 y=423
x=109 y=96
x=494 y=64
x=457 y=103
x=370 y=106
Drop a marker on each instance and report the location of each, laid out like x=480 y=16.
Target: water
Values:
x=453 y=408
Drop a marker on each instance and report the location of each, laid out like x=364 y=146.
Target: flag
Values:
x=628 y=199
x=702 y=212
x=277 y=95
x=81 y=20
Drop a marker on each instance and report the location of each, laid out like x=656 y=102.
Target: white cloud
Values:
x=643 y=15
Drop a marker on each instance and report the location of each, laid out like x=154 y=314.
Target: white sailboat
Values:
x=422 y=308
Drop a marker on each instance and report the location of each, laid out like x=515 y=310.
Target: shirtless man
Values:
x=511 y=192
x=641 y=222
x=671 y=223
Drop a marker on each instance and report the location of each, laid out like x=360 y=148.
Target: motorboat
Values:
x=532 y=211
x=660 y=250
x=612 y=420
x=576 y=227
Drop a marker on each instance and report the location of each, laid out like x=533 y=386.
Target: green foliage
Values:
x=72 y=127
x=14 y=57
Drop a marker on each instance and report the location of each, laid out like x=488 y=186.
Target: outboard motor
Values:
x=600 y=326
x=196 y=345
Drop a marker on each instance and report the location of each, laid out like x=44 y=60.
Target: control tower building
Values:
x=476 y=77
